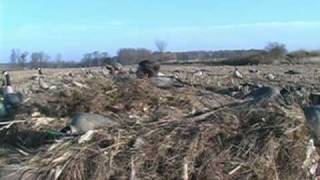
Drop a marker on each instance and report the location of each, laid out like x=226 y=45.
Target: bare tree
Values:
x=23 y=59
x=58 y=62
x=95 y=58
x=58 y=57
x=161 y=45
x=104 y=55
x=276 y=50
x=14 y=56
x=39 y=59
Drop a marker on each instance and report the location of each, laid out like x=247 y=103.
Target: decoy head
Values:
x=40 y=71
x=66 y=130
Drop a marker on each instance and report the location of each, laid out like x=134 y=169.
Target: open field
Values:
x=205 y=129
x=310 y=73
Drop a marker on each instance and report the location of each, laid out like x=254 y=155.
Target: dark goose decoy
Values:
x=40 y=71
x=292 y=72
x=12 y=99
x=3 y=83
x=147 y=69
x=314 y=98
x=264 y=94
x=312 y=114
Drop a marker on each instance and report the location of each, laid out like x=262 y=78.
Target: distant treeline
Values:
x=127 y=56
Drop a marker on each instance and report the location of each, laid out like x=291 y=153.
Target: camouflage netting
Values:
x=178 y=133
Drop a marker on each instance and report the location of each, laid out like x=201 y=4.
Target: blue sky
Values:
x=74 y=27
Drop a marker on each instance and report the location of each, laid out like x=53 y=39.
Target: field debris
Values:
x=155 y=131
x=84 y=122
x=270 y=76
x=293 y=72
x=312 y=158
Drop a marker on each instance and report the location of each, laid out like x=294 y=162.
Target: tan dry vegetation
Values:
x=193 y=132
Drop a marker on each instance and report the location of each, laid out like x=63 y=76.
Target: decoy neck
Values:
x=7 y=78
x=40 y=71
x=8 y=89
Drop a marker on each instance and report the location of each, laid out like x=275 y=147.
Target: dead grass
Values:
x=177 y=133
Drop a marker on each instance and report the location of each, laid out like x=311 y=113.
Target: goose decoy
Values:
x=312 y=114
x=7 y=83
x=237 y=73
x=12 y=99
x=3 y=112
x=40 y=71
x=117 y=66
x=166 y=82
x=161 y=74
x=292 y=72
x=3 y=85
x=314 y=98
x=83 y=122
x=270 y=76
x=42 y=83
x=131 y=71
x=263 y=94
x=36 y=77
x=199 y=73
x=119 y=69
x=253 y=71
x=110 y=69
x=147 y=69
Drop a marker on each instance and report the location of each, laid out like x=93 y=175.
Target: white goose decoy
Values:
x=237 y=73
x=198 y=73
x=166 y=82
x=42 y=83
x=160 y=74
x=83 y=122
x=270 y=76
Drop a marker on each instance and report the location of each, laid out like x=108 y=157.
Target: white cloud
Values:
x=294 y=24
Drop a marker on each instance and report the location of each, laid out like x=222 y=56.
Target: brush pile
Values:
x=173 y=133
